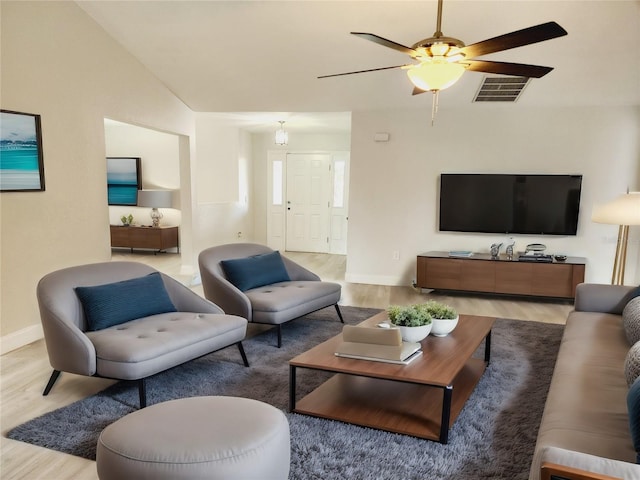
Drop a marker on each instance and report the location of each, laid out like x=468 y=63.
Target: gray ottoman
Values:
x=201 y=437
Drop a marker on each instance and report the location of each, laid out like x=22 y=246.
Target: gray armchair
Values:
x=273 y=304
x=135 y=349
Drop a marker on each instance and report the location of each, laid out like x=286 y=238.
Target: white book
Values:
x=406 y=361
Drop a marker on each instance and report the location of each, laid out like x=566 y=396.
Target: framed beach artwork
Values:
x=21 y=163
x=124 y=179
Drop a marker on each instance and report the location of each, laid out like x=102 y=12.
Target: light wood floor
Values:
x=24 y=372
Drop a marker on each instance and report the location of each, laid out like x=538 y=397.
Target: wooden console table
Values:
x=156 y=238
x=480 y=273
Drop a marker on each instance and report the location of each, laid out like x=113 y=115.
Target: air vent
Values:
x=501 y=89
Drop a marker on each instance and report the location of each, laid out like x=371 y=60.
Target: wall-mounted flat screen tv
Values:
x=500 y=203
x=124 y=179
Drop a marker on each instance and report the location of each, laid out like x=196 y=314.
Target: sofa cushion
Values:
x=255 y=271
x=115 y=303
x=284 y=301
x=631 y=320
x=633 y=405
x=632 y=364
x=149 y=345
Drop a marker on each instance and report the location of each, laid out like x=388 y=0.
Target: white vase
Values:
x=441 y=327
x=415 y=334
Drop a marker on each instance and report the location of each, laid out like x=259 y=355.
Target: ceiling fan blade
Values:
x=386 y=43
x=504 y=68
x=362 y=71
x=526 y=36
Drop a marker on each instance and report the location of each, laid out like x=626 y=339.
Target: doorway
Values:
x=308 y=201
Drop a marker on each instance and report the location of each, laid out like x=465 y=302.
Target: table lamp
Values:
x=155 y=199
x=623 y=211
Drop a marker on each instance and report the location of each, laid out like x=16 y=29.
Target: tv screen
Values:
x=498 y=203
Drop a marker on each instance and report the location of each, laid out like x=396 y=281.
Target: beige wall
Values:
x=58 y=63
x=394 y=199
x=222 y=192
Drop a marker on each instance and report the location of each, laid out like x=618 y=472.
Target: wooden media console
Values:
x=481 y=273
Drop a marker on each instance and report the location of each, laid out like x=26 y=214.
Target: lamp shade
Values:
x=624 y=210
x=436 y=75
x=155 y=198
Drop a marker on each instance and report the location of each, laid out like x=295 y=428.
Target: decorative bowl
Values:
x=441 y=327
x=415 y=334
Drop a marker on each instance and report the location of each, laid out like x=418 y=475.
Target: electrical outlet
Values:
x=395 y=255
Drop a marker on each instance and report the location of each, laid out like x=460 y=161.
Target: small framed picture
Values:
x=124 y=179
x=21 y=162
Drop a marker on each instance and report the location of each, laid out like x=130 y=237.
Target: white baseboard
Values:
x=20 y=338
x=376 y=280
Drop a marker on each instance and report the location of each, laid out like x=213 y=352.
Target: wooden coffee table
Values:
x=422 y=399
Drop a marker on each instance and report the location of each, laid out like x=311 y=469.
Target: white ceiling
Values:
x=264 y=56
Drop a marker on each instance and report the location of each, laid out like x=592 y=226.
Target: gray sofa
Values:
x=585 y=423
x=135 y=349
x=272 y=303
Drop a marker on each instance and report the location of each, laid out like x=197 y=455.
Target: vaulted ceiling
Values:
x=264 y=56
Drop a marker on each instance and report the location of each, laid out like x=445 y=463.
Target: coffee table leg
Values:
x=487 y=347
x=292 y=388
x=446 y=414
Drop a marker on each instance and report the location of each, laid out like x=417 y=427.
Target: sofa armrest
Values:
x=186 y=300
x=571 y=459
x=553 y=471
x=297 y=272
x=226 y=295
x=594 y=297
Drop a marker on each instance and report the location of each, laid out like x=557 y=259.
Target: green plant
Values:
x=440 y=310
x=126 y=220
x=409 y=315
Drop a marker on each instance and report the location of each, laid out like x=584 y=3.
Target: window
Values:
x=277 y=182
x=338 y=184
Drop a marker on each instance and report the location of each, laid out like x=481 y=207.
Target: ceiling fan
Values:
x=442 y=60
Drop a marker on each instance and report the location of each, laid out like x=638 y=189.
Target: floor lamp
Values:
x=623 y=211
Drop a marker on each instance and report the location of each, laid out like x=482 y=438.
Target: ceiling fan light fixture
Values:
x=282 y=137
x=439 y=49
x=436 y=75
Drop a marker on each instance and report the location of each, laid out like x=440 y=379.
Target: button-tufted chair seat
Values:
x=142 y=347
x=274 y=303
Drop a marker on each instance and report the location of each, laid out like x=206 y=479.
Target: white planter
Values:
x=441 y=327
x=415 y=334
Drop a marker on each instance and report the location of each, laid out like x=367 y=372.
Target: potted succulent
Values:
x=444 y=318
x=126 y=220
x=414 y=321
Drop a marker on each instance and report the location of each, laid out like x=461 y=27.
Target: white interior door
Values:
x=308 y=202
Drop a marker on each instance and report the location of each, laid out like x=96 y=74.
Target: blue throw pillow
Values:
x=256 y=271
x=119 y=302
x=633 y=406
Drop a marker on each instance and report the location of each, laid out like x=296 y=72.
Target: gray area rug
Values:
x=493 y=438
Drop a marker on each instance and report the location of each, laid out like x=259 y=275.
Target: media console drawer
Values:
x=480 y=273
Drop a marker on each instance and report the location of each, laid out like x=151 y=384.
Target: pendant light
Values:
x=282 y=137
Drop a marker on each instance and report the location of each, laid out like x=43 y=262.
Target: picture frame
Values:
x=21 y=158
x=124 y=179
